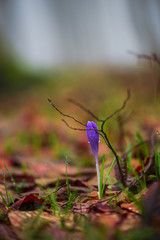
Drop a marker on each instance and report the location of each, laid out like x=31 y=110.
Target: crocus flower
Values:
x=93 y=139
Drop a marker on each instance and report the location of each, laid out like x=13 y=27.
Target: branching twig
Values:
x=154 y=57
x=93 y=115
x=84 y=109
x=73 y=128
x=65 y=115
x=101 y=131
x=82 y=129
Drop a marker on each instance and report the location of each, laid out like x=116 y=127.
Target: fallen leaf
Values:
x=28 y=203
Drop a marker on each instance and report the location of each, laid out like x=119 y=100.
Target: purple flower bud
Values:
x=93 y=137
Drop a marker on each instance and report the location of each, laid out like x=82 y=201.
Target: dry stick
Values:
x=104 y=135
x=154 y=57
x=82 y=129
x=101 y=132
x=93 y=115
x=84 y=109
x=151 y=58
x=102 y=125
x=73 y=128
x=65 y=115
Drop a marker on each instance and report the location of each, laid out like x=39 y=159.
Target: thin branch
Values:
x=154 y=57
x=65 y=115
x=93 y=115
x=84 y=109
x=84 y=129
x=73 y=128
x=101 y=131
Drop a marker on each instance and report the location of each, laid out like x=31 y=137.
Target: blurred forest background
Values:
x=60 y=45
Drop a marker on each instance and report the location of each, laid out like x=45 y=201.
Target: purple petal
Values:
x=93 y=137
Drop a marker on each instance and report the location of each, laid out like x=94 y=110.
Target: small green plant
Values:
x=132 y=170
x=19 y=188
x=101 y=177
x=71 y=196
x=8 y=194
x=131 y=196
x=50 y=197
x=107 y=176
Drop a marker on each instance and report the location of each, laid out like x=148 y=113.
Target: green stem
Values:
x=98 y=176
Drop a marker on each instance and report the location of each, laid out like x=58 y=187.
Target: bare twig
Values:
x=153 y=57
x=65 y=115
x=93 y=115
x=84 y=109
x=101 y=131
x=73 y=128
x=107 y=140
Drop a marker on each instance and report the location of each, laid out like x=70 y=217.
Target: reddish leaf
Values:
x=101 y=207
x=28 y=203
x=19 y=177
x=130 y=207
x=29 y=181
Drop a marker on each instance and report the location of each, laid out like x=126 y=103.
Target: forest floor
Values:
x=48 y=182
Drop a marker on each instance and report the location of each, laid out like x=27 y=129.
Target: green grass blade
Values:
x=107 y=176
x=5 y=187
x=52 y=200
x=42 y=189
x=101 y=177
x=12 y=179
x=10 y=195
x=56 y=188
x=4 y=200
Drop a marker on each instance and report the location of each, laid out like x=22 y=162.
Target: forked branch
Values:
x=101 y=130
x=153 y=57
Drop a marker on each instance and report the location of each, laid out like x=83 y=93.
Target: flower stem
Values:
x=98 y=176
x=115 y=154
